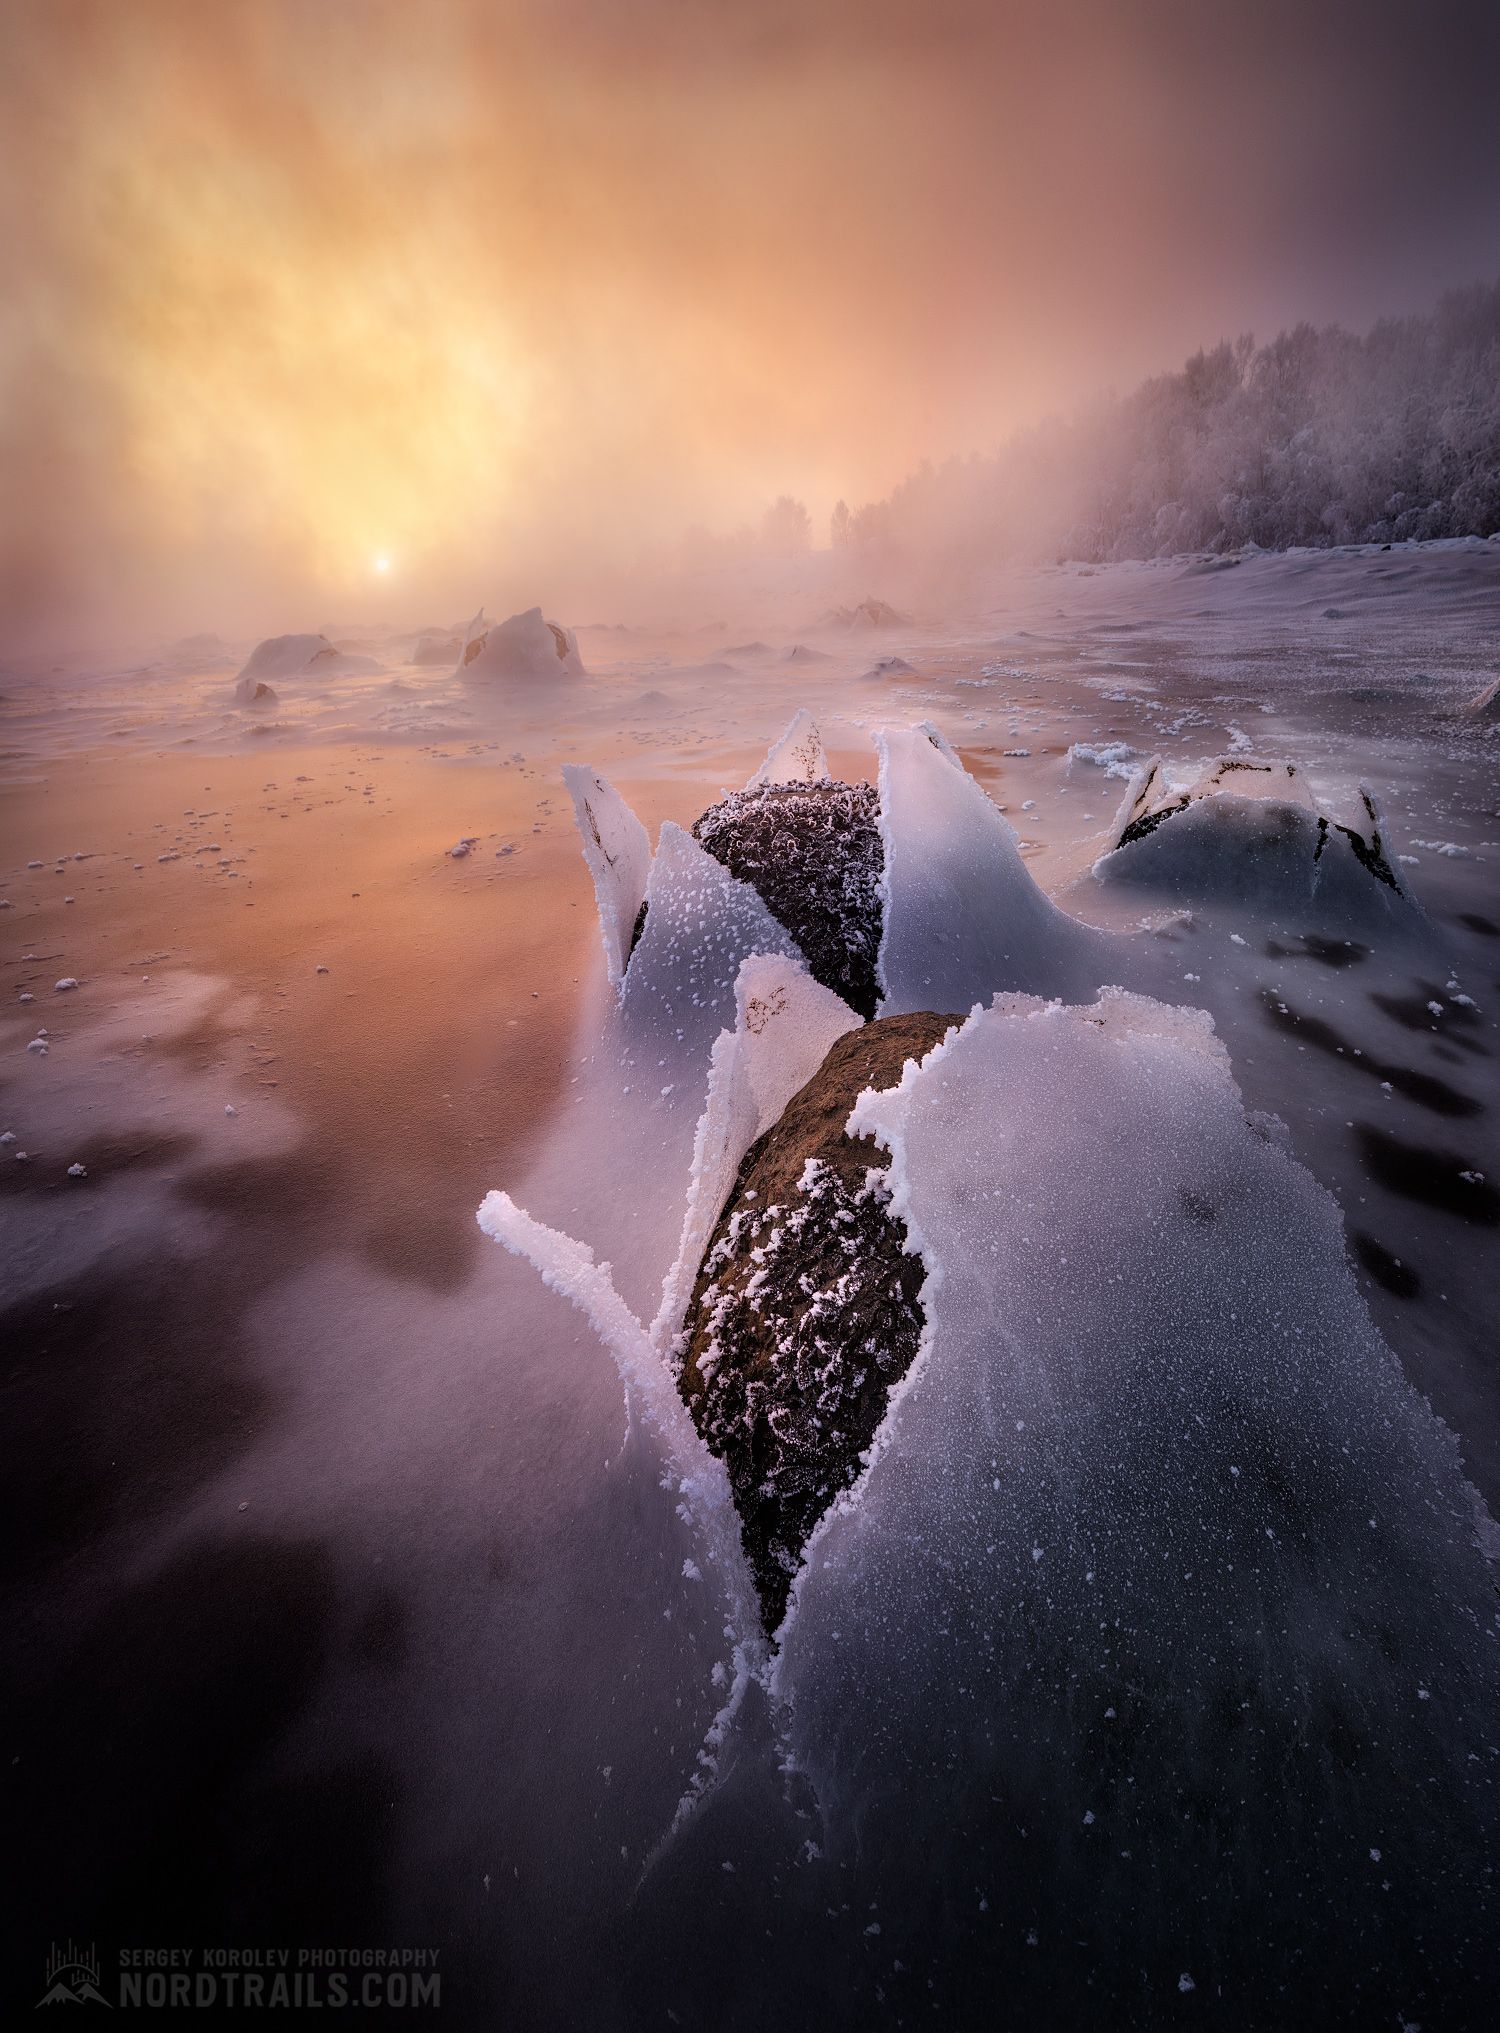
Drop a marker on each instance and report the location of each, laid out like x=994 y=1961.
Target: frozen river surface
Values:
x=1150 y=1668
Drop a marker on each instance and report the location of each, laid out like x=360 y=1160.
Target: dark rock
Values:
x=807 y=1308
x=813 y=854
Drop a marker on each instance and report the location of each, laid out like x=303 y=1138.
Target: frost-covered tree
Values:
x=786 y=527
x=1318 y=437
x=838 y=526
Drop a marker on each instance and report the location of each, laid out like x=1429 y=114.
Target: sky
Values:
x=504 y=295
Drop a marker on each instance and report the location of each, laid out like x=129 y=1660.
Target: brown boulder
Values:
x=807 y=1308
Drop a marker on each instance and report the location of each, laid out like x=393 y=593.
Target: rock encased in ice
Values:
x=525 y=646
x=1252 y=832
x=807 y=1306
x=812 y=852
x=301 y=656
x=253 y=692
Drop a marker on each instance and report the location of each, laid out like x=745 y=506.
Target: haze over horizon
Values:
x=507 y=294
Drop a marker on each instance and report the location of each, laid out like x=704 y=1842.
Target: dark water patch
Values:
x=148 y=1800
x=295 y=1192
x=120 y=1395
x=1441 y=1179
x=1327 y=952
x=294 y=1206
x=1476 y=921
x=380 y=1636
x=1390 y=1272
x=1425 y=1089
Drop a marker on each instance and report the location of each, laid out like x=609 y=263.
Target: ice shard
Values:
x=784 y=1024
x=963 y=916
x=617 y=848
x=796 y=758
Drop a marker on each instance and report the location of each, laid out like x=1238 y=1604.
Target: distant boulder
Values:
x=870 y=613
x=526 y=646
x=303 y=656
x=891 y=667
x=200 y=650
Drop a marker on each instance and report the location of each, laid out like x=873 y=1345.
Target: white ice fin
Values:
x=617 y=848
x=701 y=922
x=706 y=1503
x=785 y=1023
x=963 y=916
x=797 y=758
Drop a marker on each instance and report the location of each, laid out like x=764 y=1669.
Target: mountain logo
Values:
x=72 y=1977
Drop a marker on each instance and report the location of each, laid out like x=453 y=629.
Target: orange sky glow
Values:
x=513 y=292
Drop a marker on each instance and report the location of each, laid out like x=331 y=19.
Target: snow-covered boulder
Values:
x=811 y=851
x=1252 y=832
x=253 y=692
x=526 y=646
x=302 y=656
